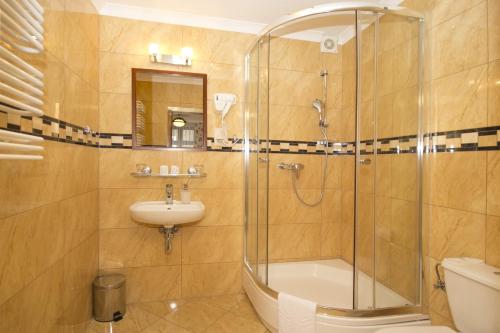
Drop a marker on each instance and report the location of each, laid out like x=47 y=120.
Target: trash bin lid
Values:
x=109 y=281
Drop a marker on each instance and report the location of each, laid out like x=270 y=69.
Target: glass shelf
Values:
x=157 y=175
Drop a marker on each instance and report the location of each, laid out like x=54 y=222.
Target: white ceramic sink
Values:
x=159 y=213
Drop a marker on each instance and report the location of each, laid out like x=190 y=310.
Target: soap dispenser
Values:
x=185 y=194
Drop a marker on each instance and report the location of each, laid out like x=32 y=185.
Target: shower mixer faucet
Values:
x=294 y=167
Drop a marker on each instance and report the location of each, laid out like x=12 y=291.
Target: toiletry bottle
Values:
x=185 y=194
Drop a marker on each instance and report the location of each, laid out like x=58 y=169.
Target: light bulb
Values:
x=154 y=49
x=187 y=52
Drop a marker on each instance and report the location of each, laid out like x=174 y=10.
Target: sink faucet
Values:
x=169 y=191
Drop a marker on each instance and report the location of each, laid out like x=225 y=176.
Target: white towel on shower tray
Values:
x=296 y=315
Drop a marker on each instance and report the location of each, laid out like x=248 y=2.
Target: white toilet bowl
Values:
x=473 y=291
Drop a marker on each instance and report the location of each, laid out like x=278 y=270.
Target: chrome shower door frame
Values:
x=274 y=30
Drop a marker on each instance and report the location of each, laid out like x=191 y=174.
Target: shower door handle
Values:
x=365 y=161
x=263 y=160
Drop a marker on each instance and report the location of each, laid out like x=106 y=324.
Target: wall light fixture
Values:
x=184 y=59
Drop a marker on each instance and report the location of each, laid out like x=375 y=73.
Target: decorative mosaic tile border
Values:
x=475 y=139
x=48 y=128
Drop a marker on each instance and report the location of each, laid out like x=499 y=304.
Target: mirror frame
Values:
x=134 y=111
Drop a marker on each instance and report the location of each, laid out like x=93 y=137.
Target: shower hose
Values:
x=323 y=175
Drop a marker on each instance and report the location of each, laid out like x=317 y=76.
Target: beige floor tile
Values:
x=161 y=308
x=163 y=326
x=232 y=323
x=196 y=315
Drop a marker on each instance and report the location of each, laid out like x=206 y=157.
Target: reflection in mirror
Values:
x=169 y=109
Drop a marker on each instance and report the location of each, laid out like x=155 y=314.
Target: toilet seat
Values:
x=417 y=329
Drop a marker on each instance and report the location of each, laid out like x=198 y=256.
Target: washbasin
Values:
x=159 y=213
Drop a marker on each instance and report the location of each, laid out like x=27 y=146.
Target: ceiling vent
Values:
x=329 y=44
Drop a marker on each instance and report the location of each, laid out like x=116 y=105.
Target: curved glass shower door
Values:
x=256 y=159
x=387 y=237
x=352 y=243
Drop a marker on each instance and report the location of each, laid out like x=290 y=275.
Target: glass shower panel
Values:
x=256 y=129
x=398 y=221
x=387 y=233
x=366 y=164
x=263 y=159
x=251 y=156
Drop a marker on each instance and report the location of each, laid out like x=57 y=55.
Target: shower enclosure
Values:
x=357 y=253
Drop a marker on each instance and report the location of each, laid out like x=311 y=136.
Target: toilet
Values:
x=473 y=290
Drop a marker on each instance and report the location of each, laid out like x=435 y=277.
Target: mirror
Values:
x=169 y=110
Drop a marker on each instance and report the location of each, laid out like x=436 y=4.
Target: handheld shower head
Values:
x=318 y=105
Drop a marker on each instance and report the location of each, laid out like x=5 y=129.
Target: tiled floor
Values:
x=222 y=314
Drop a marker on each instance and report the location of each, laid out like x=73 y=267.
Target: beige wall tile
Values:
x=330 y=240
x=212 y=244
x=405 y=112
x=443 y=10
x=403 y=275
x=394 y=30
x=493 y=30
x=294 y=241
x=51 y=231
x=404 y=173
x=80 y=268
x=494 y=93
x=382 y=260
x=222 y=207
x=211 y=279
x=493 y=180
x=493 y=240
x=289 y=54
x=136 y=247
x=385 y=115
x=404 y=224
x=224 y=171
x=221 y=77
x=154 y=283
x=40 y=302
x=331 y=206
x=133 y=37
x=44 y=229
x=334 y=175
x=81 y=101
x=405 y=69
x=459 y=100
x=216 y=46
x=301 y=125
x=293 y=88
x=284 y=207
x=383 y=217
x=115 y=113
x=460 y=43
x=459 y=181
x=455 y=233
x=24 y=186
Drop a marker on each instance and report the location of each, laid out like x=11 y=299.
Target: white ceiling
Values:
x=249 y=16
